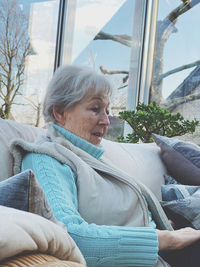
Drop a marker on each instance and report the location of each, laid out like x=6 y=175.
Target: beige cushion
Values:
x=142 y=161
x=23 y=231
x=8 y=131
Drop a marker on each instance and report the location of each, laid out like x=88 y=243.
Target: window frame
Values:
x=139 y=75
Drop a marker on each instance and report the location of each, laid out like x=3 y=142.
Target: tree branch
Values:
x=3 y=67
x=123 y=39
x=105 y=71
x=4 y=83
x=178 y=101
x=181 y=9
x=31 y=102
x=121 y=87
x=183 y=67
x=2 y=97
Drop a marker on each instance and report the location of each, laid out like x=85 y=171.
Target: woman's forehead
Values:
x=89 y=97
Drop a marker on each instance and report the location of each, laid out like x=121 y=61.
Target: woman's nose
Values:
x=105 y=119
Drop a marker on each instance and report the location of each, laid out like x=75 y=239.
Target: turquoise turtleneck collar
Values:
x=91 y=149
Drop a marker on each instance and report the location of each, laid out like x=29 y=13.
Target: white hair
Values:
x=69 y=85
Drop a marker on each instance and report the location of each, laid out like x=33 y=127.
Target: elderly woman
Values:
x=104 y=210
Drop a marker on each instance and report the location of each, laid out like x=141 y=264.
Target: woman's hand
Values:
x=177 y=239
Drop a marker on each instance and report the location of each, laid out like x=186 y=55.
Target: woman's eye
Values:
x=95 y=109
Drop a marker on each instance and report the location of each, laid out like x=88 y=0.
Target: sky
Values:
x=107 y=53
x=43 y=17
x=110 y=54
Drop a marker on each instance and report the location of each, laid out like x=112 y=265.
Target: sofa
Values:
x=30 y=235
x=31 y=238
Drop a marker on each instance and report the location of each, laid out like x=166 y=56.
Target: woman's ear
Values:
x=59 y=115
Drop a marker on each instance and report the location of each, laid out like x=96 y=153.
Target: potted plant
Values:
x=148 y=119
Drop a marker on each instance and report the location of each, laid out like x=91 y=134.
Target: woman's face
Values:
x=88 y=118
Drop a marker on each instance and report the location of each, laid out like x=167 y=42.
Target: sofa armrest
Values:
x=39 y=260
x=22 y=231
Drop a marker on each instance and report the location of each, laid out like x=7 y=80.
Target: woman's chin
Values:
x=96 y=140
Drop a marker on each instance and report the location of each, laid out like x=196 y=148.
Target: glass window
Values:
x=98 y=33
x=28 y=31
x=176 y=72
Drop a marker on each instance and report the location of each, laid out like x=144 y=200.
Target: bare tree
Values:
x=36 y=105
x=14 y=48
x=164 y=29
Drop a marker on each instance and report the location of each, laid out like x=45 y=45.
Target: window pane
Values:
x=99 y=34
x=176 y=74
x=27 y=49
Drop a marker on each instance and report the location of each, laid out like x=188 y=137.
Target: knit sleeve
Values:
x=101 y=245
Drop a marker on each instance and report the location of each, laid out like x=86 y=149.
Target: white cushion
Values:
x=142 y=161
x=22 y=231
